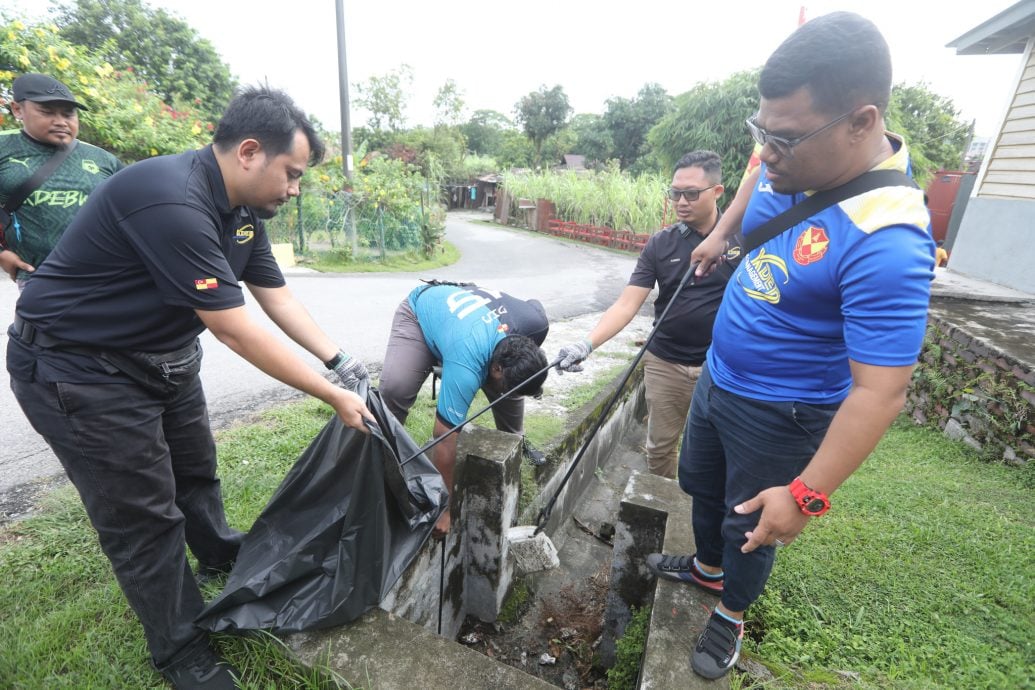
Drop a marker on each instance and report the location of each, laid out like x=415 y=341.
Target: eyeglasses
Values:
x=688 y=194
x=783 y=145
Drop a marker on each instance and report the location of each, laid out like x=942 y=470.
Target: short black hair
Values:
x=518 y=357
x=708 y=161
x=841 y=58
x=270 y=117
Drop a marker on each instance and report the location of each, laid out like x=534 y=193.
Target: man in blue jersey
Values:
x=482 y=339
x=819 y=329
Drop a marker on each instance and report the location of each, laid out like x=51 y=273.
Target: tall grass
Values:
x=608 y=198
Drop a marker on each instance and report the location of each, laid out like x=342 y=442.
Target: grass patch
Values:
x=341 y=261
x=629 y=652
x=922 y=576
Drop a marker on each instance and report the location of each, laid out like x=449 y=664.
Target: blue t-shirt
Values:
x=850 y=283
x=462 y=326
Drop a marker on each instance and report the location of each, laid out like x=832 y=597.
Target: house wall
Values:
x=996 y=238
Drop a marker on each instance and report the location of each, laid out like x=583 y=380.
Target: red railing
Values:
x=593 y=234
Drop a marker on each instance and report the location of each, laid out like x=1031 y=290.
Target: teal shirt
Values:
x=44 y=215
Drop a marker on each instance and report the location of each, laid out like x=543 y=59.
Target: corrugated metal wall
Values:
x=1011 y=168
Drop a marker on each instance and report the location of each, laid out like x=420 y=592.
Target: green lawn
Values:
x=922 y=576
x=335 y=261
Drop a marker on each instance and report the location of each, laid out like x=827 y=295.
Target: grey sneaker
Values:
x=718 y=648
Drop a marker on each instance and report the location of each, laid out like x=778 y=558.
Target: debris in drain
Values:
x=546 y=659
x=607 y=532
x=568 y=633
x=470 y=638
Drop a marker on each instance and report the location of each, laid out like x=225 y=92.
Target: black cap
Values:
x=43 y=89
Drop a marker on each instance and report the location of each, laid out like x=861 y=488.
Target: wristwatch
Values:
x=810 y=501
x=336 y=360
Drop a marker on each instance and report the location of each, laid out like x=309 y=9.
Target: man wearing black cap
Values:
x=50 y=122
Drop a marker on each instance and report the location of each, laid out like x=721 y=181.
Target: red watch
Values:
x=810 y=501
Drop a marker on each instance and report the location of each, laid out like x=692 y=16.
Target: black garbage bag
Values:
x=342 y=527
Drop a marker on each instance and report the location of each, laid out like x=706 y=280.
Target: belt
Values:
x=30 y=335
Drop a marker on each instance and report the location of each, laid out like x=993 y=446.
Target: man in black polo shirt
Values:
x=104 y=356
x=673 y=360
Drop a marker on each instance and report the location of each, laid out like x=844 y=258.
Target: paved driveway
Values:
x=356 y=310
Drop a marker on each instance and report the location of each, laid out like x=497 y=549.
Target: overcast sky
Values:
x=497 y=52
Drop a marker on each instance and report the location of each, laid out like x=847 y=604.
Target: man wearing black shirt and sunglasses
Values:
x=673 y=359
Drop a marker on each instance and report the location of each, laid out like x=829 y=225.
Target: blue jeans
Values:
x=145 y=468
x=733 y=448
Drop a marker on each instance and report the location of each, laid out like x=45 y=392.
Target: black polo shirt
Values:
x=152 y=244
x=686 y=332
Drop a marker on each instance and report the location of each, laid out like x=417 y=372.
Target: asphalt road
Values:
x=355 y=310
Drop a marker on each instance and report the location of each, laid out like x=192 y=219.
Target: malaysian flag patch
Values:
x=206 y=284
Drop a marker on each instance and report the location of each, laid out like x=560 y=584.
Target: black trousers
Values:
x=145 y=470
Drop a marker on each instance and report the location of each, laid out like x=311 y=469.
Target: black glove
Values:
x=571 y=355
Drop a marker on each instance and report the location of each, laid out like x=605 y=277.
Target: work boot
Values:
x=201 y=669
x=212 y=574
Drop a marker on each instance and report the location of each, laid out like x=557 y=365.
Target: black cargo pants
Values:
x=145 y=469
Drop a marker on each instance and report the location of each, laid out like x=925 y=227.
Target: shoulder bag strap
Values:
x=866 y=182
x=39 y=177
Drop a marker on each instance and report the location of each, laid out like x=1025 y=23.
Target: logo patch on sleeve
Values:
x=206 y=284
x=811 y=246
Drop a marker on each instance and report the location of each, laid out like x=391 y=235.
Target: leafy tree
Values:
x=592 y=138
x=629 y=121
x=384 y=97
x=162 y=49
x=936 y=137
x=710 y=116
x=449 y=104
x=515 y=150
x=124 y=116
x=484 y=131
x=542 y=113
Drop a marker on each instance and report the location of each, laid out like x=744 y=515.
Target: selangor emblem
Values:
x=811 y=246
x=244 y=234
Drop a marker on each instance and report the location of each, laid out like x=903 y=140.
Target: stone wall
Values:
x=975 y=393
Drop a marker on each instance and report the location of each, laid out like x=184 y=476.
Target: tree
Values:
x=124 y=117
x=163 y=50
x=592 y=138
x=484 y=131
x=449 y=104
x=710 y=116
x=542 y=113
x=629 y=121
x=384 y=98
x=936 y=137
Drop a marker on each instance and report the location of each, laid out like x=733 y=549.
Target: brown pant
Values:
x=669 y=388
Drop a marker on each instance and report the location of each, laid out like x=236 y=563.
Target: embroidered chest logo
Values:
x=244 y=234
x=812 y=246
x=91 y=166
x=760 y=282
x=24 y=162
x=206 y=284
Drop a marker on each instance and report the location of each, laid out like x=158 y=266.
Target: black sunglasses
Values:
x=688 y=194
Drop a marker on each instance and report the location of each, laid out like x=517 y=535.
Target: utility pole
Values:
x=346 y=127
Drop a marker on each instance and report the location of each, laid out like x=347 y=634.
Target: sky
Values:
x=497 y=52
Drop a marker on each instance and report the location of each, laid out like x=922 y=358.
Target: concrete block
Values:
x=382 y=651
x=531 y=553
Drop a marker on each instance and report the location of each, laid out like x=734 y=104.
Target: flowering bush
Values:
x=124 y=116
